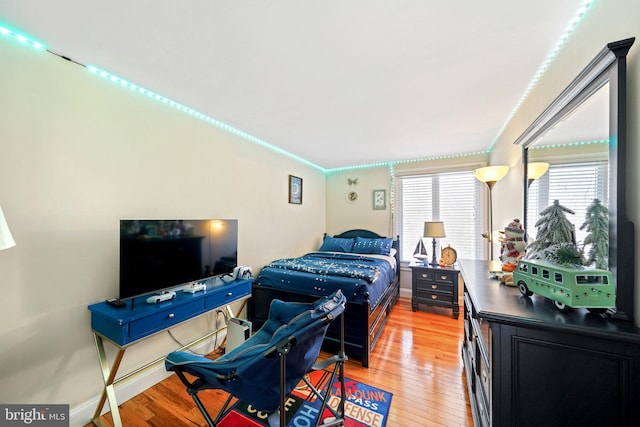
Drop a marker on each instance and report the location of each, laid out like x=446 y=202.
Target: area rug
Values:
x=365 y=406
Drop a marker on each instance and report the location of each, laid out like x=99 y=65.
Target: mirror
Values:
x=577 y=149
x=601 y=86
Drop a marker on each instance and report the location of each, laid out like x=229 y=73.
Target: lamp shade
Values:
x=491 y=173
x=6 y=239
x=434 y=229
x=536 y=170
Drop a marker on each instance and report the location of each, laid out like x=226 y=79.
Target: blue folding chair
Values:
x=266 y=368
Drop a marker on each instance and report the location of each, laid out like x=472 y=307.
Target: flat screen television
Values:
x=158 y=255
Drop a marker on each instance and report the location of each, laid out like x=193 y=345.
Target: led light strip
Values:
x=570 y=144
x=21 y=38
x=160 y=98
x=392 y=163
x=580 y=14
x=183 y=108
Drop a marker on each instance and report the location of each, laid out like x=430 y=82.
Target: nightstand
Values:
x=434 y=285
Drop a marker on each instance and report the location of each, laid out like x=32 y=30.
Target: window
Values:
x=456 y=198
x=534 y=271
x=591 y=280
x=558 y=277
x=545 y=274
x=574 y=186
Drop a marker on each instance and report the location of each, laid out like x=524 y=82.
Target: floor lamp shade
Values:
x=490 y=175
x=6 y=239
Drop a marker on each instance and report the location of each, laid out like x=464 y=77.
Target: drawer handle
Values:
x=424 y=275
x=434 y=296
x=171 y=316
x=434 y=286
x=229 y=294
x=443 y=277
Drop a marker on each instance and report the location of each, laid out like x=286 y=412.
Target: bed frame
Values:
x=362 y=324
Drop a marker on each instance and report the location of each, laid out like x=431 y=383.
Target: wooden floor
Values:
x=417 y=359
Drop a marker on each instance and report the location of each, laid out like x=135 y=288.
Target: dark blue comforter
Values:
x=322 y=273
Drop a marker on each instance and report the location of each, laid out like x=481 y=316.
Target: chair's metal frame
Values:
x=281 y=349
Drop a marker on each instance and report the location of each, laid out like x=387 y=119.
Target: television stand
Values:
x=124 y=327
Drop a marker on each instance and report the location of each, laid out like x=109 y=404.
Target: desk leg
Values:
x=108 y=375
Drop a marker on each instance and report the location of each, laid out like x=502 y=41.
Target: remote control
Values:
x=116 y=302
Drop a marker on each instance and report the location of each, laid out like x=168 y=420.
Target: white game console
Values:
x=158 y=298
x=195 y=287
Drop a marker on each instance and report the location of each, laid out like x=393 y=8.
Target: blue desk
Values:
x=126 y=326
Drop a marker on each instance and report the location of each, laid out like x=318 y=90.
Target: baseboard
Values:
x=405 y=293
x=83 y=414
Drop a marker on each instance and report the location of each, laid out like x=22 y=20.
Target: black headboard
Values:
x=368 y=234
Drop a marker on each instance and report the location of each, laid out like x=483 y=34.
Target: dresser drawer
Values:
x=164 y=318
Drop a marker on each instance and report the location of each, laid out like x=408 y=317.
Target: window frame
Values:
x=481 y=223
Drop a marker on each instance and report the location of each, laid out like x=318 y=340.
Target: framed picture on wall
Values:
x=379 y=199
x=295 y=190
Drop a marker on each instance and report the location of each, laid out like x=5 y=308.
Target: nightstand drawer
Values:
x=434 y=287
x=435 y=296
x=420 y=274
x=444 y=276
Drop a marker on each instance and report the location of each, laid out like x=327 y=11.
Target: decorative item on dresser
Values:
x=529 y=365
x=435 y=286
x=371 y=295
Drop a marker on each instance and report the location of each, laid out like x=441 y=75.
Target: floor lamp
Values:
x=6 y=239
x=490 y=175
x=535 y=171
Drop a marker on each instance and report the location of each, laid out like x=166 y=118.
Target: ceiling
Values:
x=338 y=83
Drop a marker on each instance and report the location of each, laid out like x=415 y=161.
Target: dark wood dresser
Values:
x=527 y=364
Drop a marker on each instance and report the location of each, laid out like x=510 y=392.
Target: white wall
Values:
x=78 y=153
x=343 y=215
x=604 y=22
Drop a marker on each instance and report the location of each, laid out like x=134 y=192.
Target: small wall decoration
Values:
x=379 y=199
x=295 y=190
x=352 y=194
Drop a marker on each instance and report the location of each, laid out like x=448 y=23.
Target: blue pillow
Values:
x=337 y=244
x=373 y=246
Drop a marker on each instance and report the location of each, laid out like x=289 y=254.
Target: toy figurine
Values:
x=512 y=247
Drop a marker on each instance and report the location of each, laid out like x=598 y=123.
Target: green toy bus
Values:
x=567 y=287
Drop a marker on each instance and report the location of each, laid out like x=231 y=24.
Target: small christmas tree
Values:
x=556 y=237
x=597 y=225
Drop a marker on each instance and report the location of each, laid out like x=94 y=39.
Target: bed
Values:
x=363 y=264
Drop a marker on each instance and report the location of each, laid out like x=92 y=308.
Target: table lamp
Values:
x=6 y=239
x=434 y=229
x=490 y=175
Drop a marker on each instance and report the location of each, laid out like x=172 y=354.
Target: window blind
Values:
x=575 y=186
x=456 y=198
